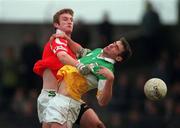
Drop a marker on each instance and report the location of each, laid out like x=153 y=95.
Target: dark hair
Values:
x=127 y=53
x=65 y=10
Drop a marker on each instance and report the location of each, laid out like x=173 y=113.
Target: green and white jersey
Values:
x=96 y=80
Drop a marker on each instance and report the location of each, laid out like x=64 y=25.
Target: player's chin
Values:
x=69 y=30
x=105 y=49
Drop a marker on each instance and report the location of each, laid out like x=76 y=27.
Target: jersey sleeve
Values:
x=58 y=45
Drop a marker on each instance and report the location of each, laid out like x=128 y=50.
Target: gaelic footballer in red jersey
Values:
x=49 y=58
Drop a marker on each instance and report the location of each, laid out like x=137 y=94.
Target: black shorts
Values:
x=84 y=107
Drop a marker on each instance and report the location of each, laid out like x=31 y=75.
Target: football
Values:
x=155 y=89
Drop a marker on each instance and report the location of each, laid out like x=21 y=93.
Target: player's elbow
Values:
x=103 y=103
x=103 y=100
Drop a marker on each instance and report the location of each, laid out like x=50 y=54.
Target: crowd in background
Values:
x=155 y=54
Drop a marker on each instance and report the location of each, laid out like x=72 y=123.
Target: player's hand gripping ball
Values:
x=155 y=89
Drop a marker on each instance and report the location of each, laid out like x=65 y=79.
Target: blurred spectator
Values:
x=177 y=109
x=18 y=101
x=151 y=119
x=116 y=120
x=152 y=40
x=1 y=86
x=134 y=119
x=105 y=30
x=121 y=95
x=81 y=33
x=137 y=92
x=30 y=53
x=162 y=67
x=169 y=109
x=30 y=105
x=9 y=76
x=176 y=68
x=24 y=104
x=174 y=121
x=150 y=21
x=24 y=108
x=175 y=91
x=178 y=8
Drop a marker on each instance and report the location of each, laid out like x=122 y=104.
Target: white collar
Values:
x=106 y=59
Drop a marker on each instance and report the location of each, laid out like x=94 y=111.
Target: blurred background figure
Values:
x=134 y=119
x=116 y=120
x=120 y=101
x=178 y=8
x=151 y=118
x=162 y=67
x=30 y=53
x=176 y=68
x=151 y=23
x=105 y=29
x=81 y=33
x=151 y=41
x=10 y=76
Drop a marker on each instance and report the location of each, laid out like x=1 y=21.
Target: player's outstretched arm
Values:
x=74 y=46
x=60 y=50
x=77 y=48
x=68 y=60
x=105 y=93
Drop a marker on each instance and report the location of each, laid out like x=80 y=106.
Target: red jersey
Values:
x=50 y=59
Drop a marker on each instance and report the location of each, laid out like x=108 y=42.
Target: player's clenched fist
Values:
x=83 y=69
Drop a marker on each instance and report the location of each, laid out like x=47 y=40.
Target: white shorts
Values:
x=62 y=109
x=42 y=102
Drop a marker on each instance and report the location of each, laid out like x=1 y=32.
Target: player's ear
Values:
x=119 y=58
x=56 y=25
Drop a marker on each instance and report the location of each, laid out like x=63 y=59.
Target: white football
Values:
x=155 y=89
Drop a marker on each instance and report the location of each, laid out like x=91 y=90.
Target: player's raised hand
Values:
x=84 y=51
x=59 y=34
x=54 y=36
x=83 y=69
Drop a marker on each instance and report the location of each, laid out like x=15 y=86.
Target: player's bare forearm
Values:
x=66 y=59
x=106 y=93
x=74 y=46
